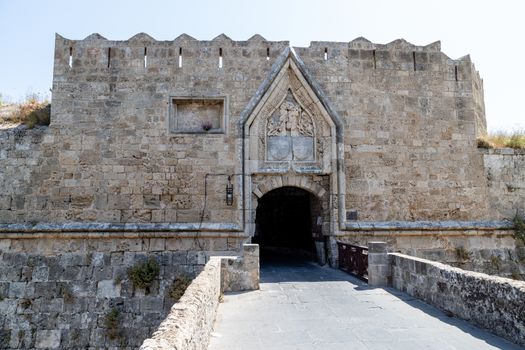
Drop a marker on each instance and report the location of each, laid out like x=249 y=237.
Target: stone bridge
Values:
x=301 y=305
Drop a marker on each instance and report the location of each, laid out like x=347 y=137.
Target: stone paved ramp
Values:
x=303 y=306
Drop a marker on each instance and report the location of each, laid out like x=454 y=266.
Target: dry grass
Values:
x=30 y=113
x=514 y=140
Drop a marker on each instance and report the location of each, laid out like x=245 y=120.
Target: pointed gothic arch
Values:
x=292 y=137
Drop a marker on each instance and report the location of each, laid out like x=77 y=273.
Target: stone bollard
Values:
x=379 y=267
x=241 y=273
x=251 y=265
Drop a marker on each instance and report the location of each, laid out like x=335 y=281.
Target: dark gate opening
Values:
x=287 y=224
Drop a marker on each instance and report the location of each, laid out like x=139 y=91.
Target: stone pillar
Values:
x=379 y=267
x=241 y=273
x=333 y=258
x=251 y=265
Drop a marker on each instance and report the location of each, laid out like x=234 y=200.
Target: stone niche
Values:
x=197 y=115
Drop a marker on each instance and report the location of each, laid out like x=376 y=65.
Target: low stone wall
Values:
x=190 y=322
x=491 y=250
x=491 y=302
x=72 y=290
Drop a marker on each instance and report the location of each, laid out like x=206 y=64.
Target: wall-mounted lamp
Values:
x=229 y=192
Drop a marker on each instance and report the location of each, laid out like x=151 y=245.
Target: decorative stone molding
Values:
x=291 y=138
x=289 y=130
x=275 y=182
x=118 y=227
x=427 y=225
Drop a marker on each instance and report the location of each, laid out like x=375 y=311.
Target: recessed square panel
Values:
x=197 y=115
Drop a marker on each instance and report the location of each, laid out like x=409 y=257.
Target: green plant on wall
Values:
x=495 y=263
x=112 y=324
x=178 y=287
x=462 y=254
x=143 y=274
x=519 y=228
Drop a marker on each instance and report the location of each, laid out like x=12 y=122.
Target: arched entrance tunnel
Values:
x=288 y=225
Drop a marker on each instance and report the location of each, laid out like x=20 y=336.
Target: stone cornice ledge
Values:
x=427 y=225
x=118 y=227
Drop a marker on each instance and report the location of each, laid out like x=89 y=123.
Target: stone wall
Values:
x=490 y=302
x=505 y=172
x=191 y=320
x=410 y=116
x=491 y=251
x=57 y=289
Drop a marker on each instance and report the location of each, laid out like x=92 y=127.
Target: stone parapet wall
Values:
x=190 y=321
x=490 y=302
x=482 y=249
x=57 y=289
x=505 y=173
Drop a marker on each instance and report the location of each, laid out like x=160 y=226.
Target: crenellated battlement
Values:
x=142 y=50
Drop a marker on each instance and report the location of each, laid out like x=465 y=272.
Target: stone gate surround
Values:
x=292 y=137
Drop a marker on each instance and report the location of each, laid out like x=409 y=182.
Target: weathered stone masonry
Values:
x=146 y=135
x=408 y=117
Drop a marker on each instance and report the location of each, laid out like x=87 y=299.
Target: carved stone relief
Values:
x=290 y=133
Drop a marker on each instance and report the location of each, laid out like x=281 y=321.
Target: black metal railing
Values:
x=353 y=259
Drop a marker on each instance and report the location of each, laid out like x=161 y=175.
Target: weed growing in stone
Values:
x=67 y=294
x=117 y=280
x=143 y=274
x=112 y=324
x=178 y=287
x=26 y=303
x=495 y=262
x=519 y=228
x=462 y=254
x=5 y=339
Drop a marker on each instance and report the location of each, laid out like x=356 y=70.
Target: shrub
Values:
x=178 y=287
x=519 y=228
x=143 y=274
x=484 y=143
x=462 y=254
x=112 y=324
x=67 y=294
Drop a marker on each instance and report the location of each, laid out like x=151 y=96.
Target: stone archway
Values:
x=289 y=223
x=293 y=137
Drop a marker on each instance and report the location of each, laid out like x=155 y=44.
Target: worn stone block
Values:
x=108 y=289
x=47 y=339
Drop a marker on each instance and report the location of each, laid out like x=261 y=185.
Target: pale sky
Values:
x=490 y=31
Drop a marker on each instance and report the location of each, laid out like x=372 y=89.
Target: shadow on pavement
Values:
x=279 y=267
